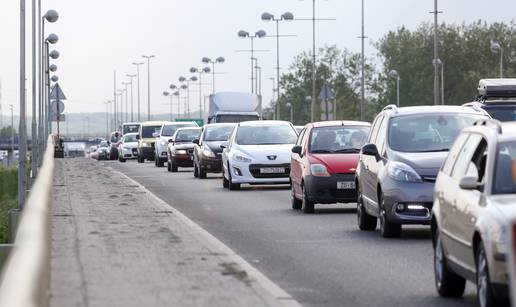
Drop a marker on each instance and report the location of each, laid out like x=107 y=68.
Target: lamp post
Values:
x=291 y=107
x=185 y=87
x=22 y=143
x=285 y=17
x=132 y=101
x=54 y=54
x=218 y=60
x=12 y=134
x=258 y=34
x=148 y=57
x=165 y=93
x=440 y=64
x=107 y=116
x=121 y=109
x=126 y=84
x=177 y=94
x=497 y=48
x=138 y=86
x=205 y=70
x=394 y=74
x=436 y=13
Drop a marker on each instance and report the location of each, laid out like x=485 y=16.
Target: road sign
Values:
x=326 y=93
x=54 y=104
x=57 y=93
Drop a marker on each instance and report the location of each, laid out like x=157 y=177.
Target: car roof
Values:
x=430 y=109
x=131 y=133
x=496 y=102
x=336 y=123
x=179 y=123
x=220 y=125
x=188 y=128
x=506 y=130
x=153 y=123
x=264 y=123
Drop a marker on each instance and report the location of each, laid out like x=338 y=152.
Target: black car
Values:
x=207 y=150
x=496 y=97
x=103 y=152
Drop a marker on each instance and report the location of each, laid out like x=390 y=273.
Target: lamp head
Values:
x=206 y=60
x=193 y=78
x=52 y=38
x=51 y=16
x=182 y=79
x=193 y=70
x=287 y=16
x=54 y=54
x=54 y=78
x=495 y=47
x=221 y=59
x=172 y=86
x=267 y=16
x=393 y=73
x=243 y=34
x=206 y=69
x=52 y=67
x=176 y=93
x=184 y=87
x=165 y=93
x=261 y=33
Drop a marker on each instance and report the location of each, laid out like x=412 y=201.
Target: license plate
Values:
x=345 y=185
x=272 y=170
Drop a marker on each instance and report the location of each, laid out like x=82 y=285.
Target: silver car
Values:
x=397 y=168
x=474 y=200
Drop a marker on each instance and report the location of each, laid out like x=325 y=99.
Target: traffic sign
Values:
x=326 y=93
x=54 y=104
x=57 y=93
x=199 y=121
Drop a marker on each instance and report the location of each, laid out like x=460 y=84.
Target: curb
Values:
x=270 y=293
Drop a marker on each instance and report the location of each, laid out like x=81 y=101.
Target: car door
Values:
x=456 y=200
x=367 y=182
x=198 y=147
x=372 y=167
x=297 y=163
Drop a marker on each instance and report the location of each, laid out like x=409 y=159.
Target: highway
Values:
x=321 y=259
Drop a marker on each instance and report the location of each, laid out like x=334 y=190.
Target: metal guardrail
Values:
x=26 y=275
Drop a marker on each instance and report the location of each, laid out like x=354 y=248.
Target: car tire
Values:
x=485 y=295
x=387 y=228
x=307 y=205
x=365 y=221
x=232 y=186
x=447 y=283
x=297 y=204
x=202 y=173
x=159 y=162
x=141 y=159
x=225 y=182
x=173 y=167
x=169 y=166
x=121 y=160
x=195 y=171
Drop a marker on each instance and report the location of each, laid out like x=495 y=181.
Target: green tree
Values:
x=6 y=132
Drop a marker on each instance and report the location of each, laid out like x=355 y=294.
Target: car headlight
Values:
x=163 y=143
x=207 y=152
x=241 y=158
x=319 y=170
x=180 y=152
x=402 y=172
x=145 y=144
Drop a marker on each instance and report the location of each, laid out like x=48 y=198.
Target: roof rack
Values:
x=496 y=88
x=391 y=107
x=488 y=121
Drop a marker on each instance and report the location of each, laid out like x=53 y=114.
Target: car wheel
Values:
x=364 y=219
x=387 y=228
x=169 y=166
x=225 y=182
x=485 y=293
x=195 y=171
x=121 y=160
x=173 y=167
x=296 y=203
x=447 y=283
x=159 y=162
x=140 y=159
x=202 y=173
x=232 y=186
x=307 y=205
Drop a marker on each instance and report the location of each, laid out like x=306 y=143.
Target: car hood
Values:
x=424 y=163
x=131 y=144
x=337 y=163
x=214 y=145
x=261 y=153
x=185 y=145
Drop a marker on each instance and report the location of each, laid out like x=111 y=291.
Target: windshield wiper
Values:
x=436 y=150
x=321 y=151
x=348 y=150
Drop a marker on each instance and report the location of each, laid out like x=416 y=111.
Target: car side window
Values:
x=454 y=152
x=464 y=158
x=376 y=127
x=479 y=160
x=381 y=136
x=300 y=137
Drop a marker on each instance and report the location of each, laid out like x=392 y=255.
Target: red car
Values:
x=324 y=162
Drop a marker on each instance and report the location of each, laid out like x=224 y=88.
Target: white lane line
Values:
x=280 y=296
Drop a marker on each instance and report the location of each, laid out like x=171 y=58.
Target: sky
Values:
x=97 y=37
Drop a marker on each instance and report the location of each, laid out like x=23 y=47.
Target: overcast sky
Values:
x=97 y=37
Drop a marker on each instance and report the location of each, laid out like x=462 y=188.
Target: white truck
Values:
x=234 y=107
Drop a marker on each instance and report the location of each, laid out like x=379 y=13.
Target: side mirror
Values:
x=137 y=136
x=116 y=134
x=371 y=150
x=297 y=149
x=196 y=141
x=469 y=183
x=171 y=141
x=155 y=134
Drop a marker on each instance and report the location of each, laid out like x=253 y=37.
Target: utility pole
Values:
x=436 y=12
x=362 y=60
x=34 y=130
x=314 y=90
x=132 y=101
x=138 y=85
x=22 y=130
x=149 y=57
x=114 y=99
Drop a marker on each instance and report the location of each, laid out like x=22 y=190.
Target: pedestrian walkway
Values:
x=116 y=244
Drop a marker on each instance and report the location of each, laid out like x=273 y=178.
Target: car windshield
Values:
x=502 y=113
x=341 y=139
x=505 y=169
x=169 y=130
x=427 y=133
x=147 y=131
x=266 y=135
x=233 y=118
x=131 y=128
x=218 y=133
x=187 y=135
x=103 y=144
x=130 y=138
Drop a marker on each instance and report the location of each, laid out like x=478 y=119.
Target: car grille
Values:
x=429 y=178
x=339 y=194
x=254 y=169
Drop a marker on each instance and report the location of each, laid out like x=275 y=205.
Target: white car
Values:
x=163 y=138
x=258 y=152
x=128 y=147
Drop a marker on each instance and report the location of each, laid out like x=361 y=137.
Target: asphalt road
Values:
x=320 y=259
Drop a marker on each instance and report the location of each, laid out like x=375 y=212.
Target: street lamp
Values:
x=185 y=87
x=54 y=78
x=165 y=93
x=441 y=64
x=177 y=93
x=285 y=17
x=394 y=74
x=291 y=107
x=495 y=49
x=132 y=101
x=202 y=71
x=148 y=57
x=138 y=86
x=53 y=68
x=218 y=60
x=258 y=34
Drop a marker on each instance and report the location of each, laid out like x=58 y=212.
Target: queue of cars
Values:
x=450 y=167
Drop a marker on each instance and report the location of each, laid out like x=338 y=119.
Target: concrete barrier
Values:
x=25 y=277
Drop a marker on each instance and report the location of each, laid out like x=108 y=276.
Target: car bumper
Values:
x=324 y=190
x=129 y=153
x=211 y=165
x=183 y=160
x=249 y=173
x=416 y=198
x=146 y=152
